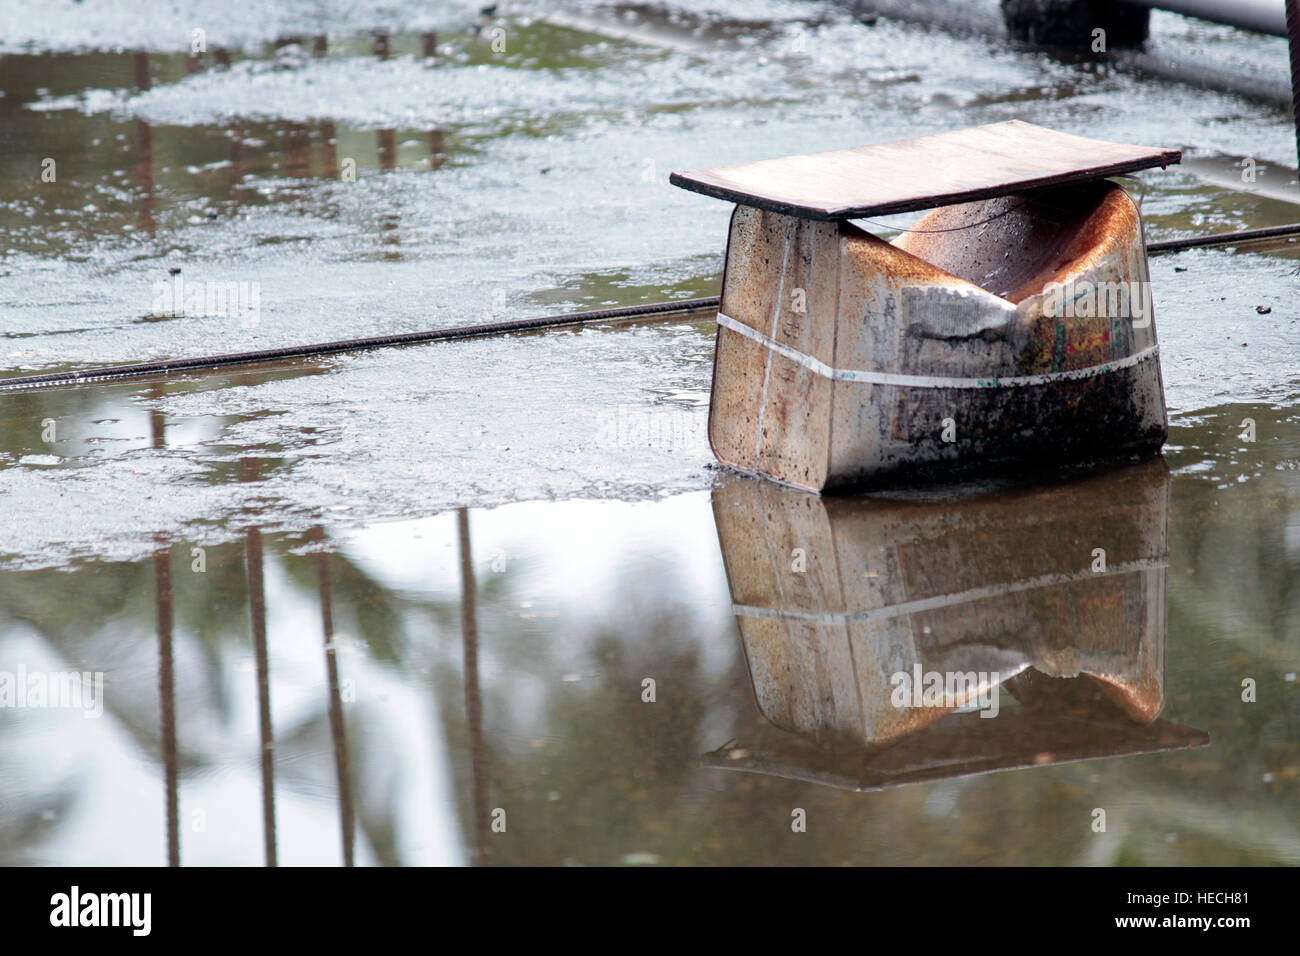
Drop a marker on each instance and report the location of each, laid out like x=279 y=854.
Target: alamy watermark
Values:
x=133 y=911
x=1084 y=299
x=72 y=690
x=229 y=299
x=656 y=427
x=948 y=689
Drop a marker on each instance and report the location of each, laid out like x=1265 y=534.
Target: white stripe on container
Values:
x=938 y=601
x=930 y=381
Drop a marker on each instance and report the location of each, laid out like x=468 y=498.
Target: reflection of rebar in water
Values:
x=157 y=423
x=436 y=157
x=144 y=174
x=236 y=164
x=257 y=612
x=387 y=147
x=296 y=138
x=389 y=222
x=162 y=576
x=163 y=619
x=140 y=61
x=329 y=150
x=473 y=700
x=144 y=149
x=338 y=730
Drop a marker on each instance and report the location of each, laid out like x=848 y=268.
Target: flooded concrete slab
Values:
x=391 y=742
x=328 y=616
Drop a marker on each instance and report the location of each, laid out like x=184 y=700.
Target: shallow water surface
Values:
x=491 y=601
x=652 y=682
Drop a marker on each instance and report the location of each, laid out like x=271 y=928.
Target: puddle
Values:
x=268 y=566
x=401 y=717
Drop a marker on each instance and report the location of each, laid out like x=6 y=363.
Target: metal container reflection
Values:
x=1043 y=608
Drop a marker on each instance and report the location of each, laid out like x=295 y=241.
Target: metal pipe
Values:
x=1293 y=41
x=1263 y=16
x=958 y=19
x=1264 y=87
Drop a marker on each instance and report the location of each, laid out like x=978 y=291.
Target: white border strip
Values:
x=930 y=381
x=945 y=600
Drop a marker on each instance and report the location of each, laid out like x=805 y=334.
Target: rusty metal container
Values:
x=834 y=597
x=1013 y=321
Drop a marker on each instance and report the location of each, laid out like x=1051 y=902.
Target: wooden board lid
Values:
x=981 y=162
